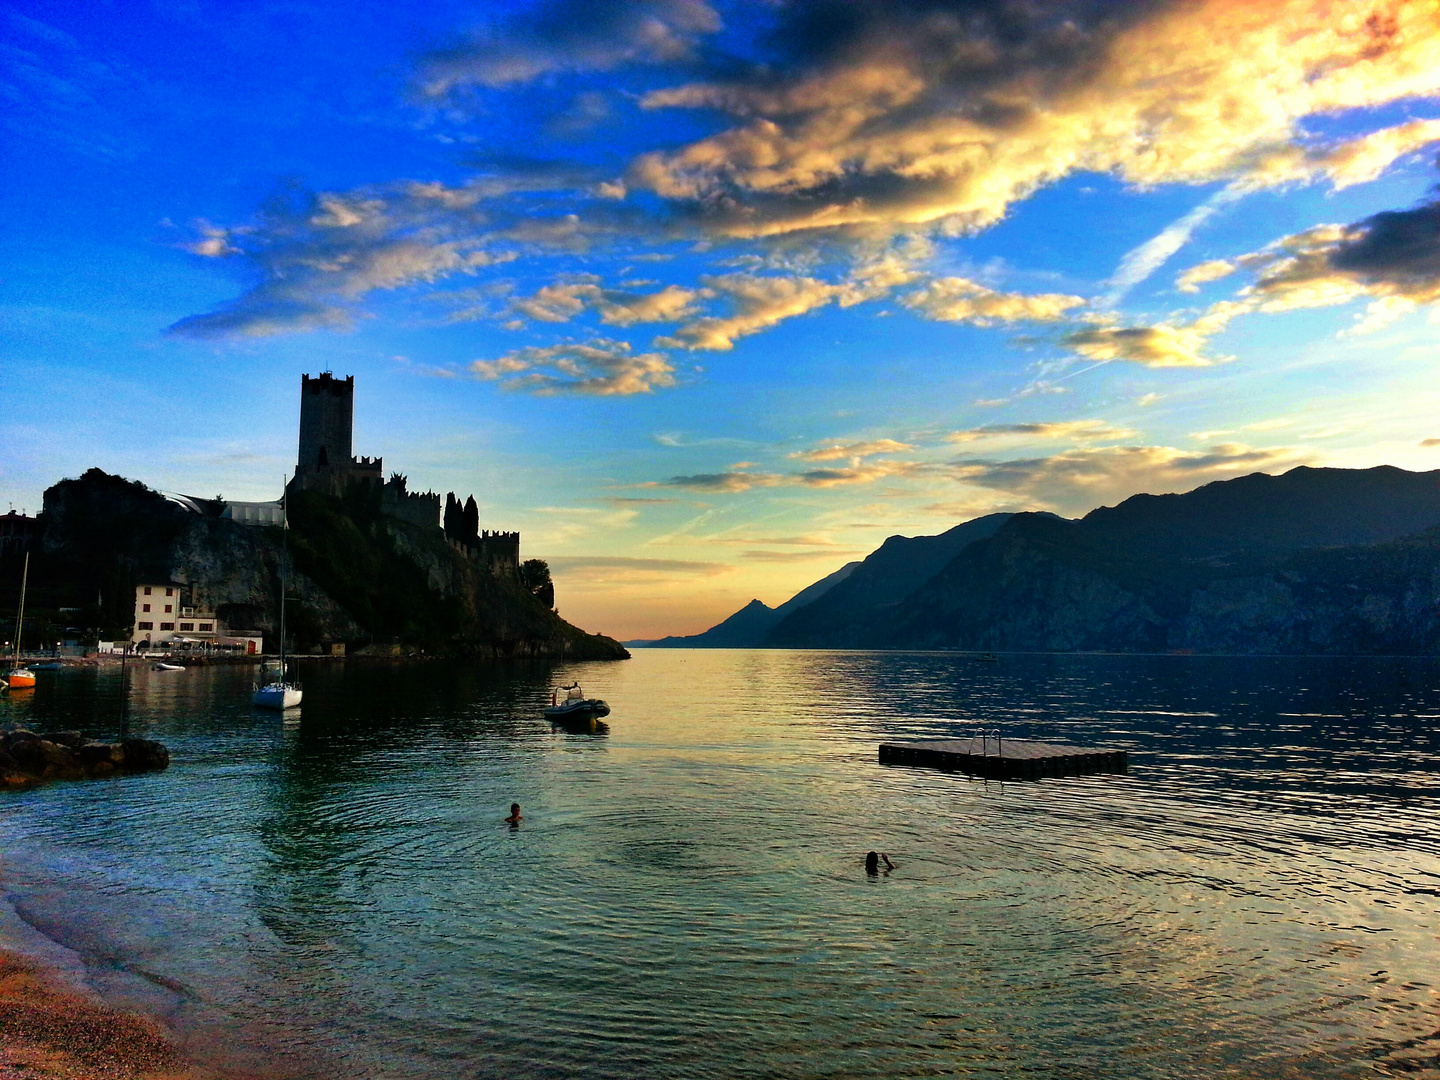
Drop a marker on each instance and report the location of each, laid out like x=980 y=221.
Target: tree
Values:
x=471 y=520
x=452 y=516
x=535 y=577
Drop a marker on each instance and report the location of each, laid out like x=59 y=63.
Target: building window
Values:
x=147 y=590
x=144 y=607
x=206 y=627
x=187 y=626
x=167 y=626
x=145 y=626
x=168 y=609
x=169 y=592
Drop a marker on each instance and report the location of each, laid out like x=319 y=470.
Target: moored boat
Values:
x=279 y=692
x=163 y=666
x=277 y=695
x=21 y=677
x=576 y=704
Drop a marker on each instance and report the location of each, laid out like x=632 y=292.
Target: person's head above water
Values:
x=872 y=862
x=514 y=807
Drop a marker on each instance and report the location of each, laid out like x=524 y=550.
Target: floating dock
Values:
x=1004 y=759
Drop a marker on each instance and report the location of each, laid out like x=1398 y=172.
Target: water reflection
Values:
x=687 y=894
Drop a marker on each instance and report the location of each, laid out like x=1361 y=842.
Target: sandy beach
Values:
x=49 y=1029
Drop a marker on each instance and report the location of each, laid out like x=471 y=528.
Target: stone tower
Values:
x=327 y=409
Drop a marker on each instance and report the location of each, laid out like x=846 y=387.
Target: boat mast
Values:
x=284 y=551
x=20 y=618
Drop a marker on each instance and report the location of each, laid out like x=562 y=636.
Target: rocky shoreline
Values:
x=28 y=757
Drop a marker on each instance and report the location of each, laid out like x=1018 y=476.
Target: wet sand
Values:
x=50 y=1030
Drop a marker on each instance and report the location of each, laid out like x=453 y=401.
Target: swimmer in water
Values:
x=872 y=863
x=515 y=818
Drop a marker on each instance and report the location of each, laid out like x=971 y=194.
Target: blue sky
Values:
x=707 y=299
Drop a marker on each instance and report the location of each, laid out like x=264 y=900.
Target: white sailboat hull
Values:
x=277 y=696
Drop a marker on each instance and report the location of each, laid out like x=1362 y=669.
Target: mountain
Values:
x=845 y=615
x=358 y=575
x=747 y=627
x=1313 y=561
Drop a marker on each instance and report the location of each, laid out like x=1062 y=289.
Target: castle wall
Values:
x=498 y=552
x=327 y=407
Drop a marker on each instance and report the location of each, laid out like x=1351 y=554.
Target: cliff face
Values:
x=356 y=574
x=1314 y=561
x=846 y=616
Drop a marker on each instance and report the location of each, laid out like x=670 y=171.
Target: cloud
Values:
x=884 y=115
x=861 y=473
x=1139 y=263
x=563 y=301
x=839 y=451
x=725 y=483
x=600 y=367
x=796 y=556
x=1158 y=346
x=1393 y=254
x=599 y=569
x=1344 y=164
x=760 y=302
x=1189 y=281
x=315 y=255
x=571 y=36
x=1085 y=477
x=954 y=299
x=1058 y=431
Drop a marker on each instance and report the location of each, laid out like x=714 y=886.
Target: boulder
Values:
x=10 y=738
x=145 y=755
x=72 y=739
x=93 y=753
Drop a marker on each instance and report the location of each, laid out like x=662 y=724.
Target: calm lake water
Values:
x=335 y=893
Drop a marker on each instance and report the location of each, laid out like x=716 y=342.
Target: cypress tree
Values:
x=452 y=515
x=472 y=519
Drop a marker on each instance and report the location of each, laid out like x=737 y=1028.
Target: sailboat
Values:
x=20 y=677
x=280 y=692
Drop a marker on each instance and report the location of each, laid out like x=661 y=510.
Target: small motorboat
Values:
x=575 y=705
x=163 y=666
x=48 y=665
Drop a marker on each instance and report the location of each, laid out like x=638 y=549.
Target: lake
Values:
x=334 y=893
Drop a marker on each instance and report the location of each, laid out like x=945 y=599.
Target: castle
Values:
x=326 y=464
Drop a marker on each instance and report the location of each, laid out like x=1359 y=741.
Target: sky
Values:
x=708 y=299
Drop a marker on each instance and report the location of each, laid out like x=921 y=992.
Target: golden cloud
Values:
x=1190 y=280
x=904 y=119
x=600 y=367
x=1058 y=431
x=1158 y=346
x=840 y=451
x=563 y=301
x=955 y=299
x=760 y=302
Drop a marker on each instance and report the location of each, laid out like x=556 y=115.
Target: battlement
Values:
x=327 y=383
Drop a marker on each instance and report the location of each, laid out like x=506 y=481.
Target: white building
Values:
x=164 y=620
x=255 y=513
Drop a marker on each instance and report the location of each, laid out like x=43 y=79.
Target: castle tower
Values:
x=327 y=409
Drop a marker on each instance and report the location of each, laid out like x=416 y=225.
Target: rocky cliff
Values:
x=1314 y=561
x=356 y=574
